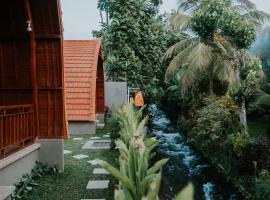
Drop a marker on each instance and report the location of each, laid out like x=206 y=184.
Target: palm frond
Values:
x=187 y=5
x=196 y=58
x=249 y=4
x=262 y=98
x=179 y=46
x=256 y=15
x=223 y=70
x=180 y=22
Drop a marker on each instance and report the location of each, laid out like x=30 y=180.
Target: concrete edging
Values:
x=16 y=156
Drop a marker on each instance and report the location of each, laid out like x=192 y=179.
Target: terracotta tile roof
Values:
x=81 y=61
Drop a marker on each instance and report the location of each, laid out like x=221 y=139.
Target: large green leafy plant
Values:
x=137 y=178
x=134 y=41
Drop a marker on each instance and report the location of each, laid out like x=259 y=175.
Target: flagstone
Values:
x=97 y=144
x=93 y=138
x=80 y=156
x=100 y=171
x=67 y=152
x=93 y=162
x=99 y=184
x=77 y=139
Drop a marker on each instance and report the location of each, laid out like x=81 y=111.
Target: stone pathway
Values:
x=95 y=143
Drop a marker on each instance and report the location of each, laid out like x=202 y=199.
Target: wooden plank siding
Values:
x=31 y=68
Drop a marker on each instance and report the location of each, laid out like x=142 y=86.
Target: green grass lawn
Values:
x=258 y=126
x=71 y=184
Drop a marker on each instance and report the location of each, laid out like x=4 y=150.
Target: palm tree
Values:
x=263 y=99
x=198 y=57
x=217 y=56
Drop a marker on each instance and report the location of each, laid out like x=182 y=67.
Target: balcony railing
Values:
x=17 y=128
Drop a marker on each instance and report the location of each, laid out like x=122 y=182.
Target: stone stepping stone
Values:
x=97 y=144
x=77 y=139
x=100 y=171
x=93 y=199
x=93 y=162
x=94 y=185
x=94 y=138
x=80 y=156
x=106 y=136
x=67 y=152
x=100 y=125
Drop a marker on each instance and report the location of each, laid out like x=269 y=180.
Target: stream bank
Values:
x=186 y=164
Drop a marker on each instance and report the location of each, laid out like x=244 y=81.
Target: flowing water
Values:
x=185 y=164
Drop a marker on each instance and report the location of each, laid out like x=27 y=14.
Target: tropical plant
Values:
x=134 y=41
x=222 y=35
x=239 y=142
x=247 y=8
x=131 y=122
x=216 y=119
x=137 y=178
x=262 y=185
x=263 y=99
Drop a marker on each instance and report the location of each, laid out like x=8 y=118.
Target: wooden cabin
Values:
x=84 y=82
x=31 y=74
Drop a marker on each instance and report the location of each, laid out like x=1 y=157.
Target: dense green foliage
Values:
x=215 y=56
x=250 y=74
x=134 y=42
x=28 y=181
x=214 y=120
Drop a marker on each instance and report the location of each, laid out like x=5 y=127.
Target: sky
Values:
x=81 y=17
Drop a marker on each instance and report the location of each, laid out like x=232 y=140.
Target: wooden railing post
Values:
x=16 y=128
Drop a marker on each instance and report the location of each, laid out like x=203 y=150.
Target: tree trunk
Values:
x=243 y=118
x=243 y=112
x=211 y=82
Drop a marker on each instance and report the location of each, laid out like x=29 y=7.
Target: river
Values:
x=186 y=164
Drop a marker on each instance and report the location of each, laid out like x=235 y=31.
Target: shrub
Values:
x=28 y=181
x=259 y=151
x=215 y=119
x=239 y=142
x=113 y=127
x=262 y=186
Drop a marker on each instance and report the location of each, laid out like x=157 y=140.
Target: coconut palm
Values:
x=246 y=8
x=262 y=99
x=217 y=54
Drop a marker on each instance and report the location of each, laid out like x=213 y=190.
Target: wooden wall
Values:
x=15 y=61
x=31 y=63
x=100 y=99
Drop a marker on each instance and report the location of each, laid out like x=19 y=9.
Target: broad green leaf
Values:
x=157 y=166
x=187 y=193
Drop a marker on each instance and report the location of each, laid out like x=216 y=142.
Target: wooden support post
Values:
x=33 y=64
